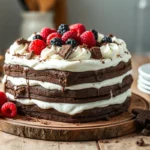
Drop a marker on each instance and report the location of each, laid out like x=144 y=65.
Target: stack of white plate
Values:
x=144 y=78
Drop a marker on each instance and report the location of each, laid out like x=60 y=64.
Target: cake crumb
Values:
x=140 y=142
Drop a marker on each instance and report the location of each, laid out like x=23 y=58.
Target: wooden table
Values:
x=10 y=142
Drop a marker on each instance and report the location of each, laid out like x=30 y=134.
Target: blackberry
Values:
x=56 y=41
x=72 y=42
x=95 y=34
x=106 y=39
x=63 y=28
x=37 y=36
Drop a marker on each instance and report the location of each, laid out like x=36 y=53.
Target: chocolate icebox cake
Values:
x=69 y=75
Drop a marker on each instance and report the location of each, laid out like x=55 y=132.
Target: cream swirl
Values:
x=32 y=35
x=80 y=54
x=111 y=50
x=100 y=37
x=47 y=53
x=18 y=48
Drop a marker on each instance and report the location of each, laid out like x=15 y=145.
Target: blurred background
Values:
x=127 y=19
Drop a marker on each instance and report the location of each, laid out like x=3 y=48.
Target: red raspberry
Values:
x=51 y=36
x=88 y=39
x=80 y=28
x=46 y=31
x=3 y=98
x=69 y=34
x=37 y=46
x=9 y=110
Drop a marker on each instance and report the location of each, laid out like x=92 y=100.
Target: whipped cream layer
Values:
x=51 y=86
x=66 y=65
x=72 y=109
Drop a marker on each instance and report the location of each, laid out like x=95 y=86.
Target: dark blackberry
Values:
x=63 y=28
x=56 y=41
x=72 y=42
x=106 y=39
x=37 y=36
x=95 y=34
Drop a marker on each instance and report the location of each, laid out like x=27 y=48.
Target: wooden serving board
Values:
x=57 y=131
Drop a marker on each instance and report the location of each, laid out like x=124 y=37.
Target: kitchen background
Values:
x=128 y=19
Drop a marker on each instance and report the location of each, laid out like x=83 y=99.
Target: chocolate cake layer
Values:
x=69 y=96
x=66 y=78
x=85 y=116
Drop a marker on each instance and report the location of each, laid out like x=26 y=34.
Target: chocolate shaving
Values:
x=96 y=53
x=98 y=44
x=18 y=91
x=126 y=52
x=111 y=35
x=119 y=55
x=30 y=55
x=65 y=51
x=22 y=41
x=84 y=46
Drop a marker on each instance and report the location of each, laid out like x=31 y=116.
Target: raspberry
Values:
x=51 y=36
x=37 y=46
x=3 y=98
x=9 y=110
x=46 y=31
x=88 y=39
x=69 y=34
x=80 y=28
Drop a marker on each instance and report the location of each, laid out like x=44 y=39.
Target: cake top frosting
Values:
x=69 y=45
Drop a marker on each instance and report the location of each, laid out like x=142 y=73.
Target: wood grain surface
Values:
x=11 y=142
x=58 y=131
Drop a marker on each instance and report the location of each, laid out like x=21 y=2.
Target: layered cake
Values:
x=69 y=75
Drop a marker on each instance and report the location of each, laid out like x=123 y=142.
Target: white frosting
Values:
x=47 y=53
x=32 y=35
x=51 y=86
x=73 y=109
x=65 y=65
x=100 y=37
x=111 y=50
x=18 y=48
x=80 y=54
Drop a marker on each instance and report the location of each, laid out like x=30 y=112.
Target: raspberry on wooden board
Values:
x=9 y=110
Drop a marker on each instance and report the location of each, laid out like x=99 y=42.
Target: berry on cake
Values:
x=70 y=75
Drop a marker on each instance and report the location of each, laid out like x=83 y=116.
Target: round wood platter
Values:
x=57 y=131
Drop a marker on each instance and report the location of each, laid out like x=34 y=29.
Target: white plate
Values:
x=144 y=71
x=143 y=90
x=144 y=86
x=144 y=81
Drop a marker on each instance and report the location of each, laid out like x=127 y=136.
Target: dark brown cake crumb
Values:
x=105 y=141
x=145 y=132
x=142 y=117
x=140 y=142
x=143 y=120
